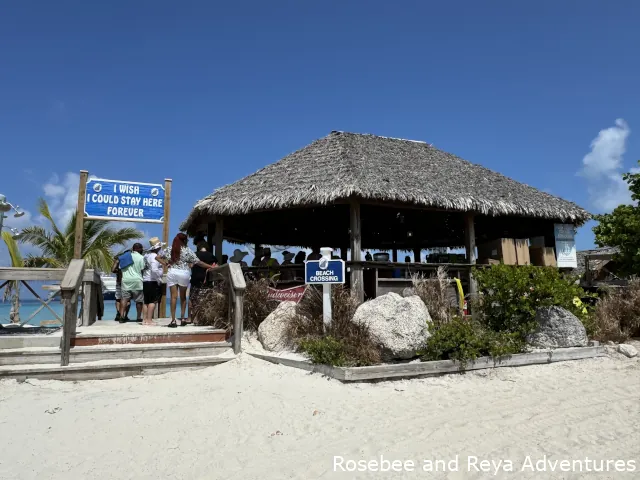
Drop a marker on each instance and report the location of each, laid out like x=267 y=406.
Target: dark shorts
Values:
x=152 y=292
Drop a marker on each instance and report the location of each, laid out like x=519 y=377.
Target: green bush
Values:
x=325 y=350
x=510 y=296
x=465 y=340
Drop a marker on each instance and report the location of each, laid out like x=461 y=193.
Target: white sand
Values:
x=248 y=419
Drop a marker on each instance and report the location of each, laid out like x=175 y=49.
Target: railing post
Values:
x=237 y=286
x=69 y=289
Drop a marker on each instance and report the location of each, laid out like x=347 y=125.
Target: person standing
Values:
x=179 y=275
x=199 y=281
x=132 y=283
x=152 y=280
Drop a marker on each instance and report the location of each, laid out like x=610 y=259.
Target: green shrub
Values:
x=465 y=340
x=324 y=350
x=510 y=295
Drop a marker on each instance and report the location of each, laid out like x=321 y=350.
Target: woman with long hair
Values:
x=179 y=275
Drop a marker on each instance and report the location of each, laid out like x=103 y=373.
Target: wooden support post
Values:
x=82 y=193
x=69 y=288
x=88 y=305
x=343 y=252
x=211 y=231
x=162 y=307
x=357 y=281
x=470 y=244
x=416 y=255
x=394 y=252
x=218 y=238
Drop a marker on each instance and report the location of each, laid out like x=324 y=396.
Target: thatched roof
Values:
x=344 y=165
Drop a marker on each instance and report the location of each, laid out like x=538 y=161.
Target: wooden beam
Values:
x=416 y=255
x=357 y=280
x=211 y=231
x=168 y=183
x=69 y=291
x=82 y=193
x=470 y=245
x=47 y=274
x=219 y=237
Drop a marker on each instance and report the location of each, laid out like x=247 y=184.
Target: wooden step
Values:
x=106 y=369
x=34 y=356
x=87 y=338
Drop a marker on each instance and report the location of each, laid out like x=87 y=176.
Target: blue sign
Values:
x=324 y=271
x=124 y=201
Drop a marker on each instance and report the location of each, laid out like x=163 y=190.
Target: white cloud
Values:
x=62 y=196
x=603 y=167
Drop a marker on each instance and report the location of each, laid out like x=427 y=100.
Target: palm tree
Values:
x=56 y=245
x=12 y=290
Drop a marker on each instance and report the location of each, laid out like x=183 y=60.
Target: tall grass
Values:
x=617 y=313
x=434 y=292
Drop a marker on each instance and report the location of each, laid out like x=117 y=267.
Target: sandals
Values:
x=173 y=324
x=184 y=323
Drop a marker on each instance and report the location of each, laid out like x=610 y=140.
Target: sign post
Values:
x=324 y=272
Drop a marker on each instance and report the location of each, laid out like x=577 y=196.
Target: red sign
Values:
x=293 y=294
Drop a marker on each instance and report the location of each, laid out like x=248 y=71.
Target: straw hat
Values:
x=238 y=255
x=155 y=243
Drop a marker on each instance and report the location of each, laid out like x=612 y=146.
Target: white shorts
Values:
x=178 y=277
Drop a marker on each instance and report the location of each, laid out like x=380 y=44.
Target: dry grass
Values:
x=617 y=313
x=257 y=306
x=211 y=306
x=358 y=347
x=434 y=292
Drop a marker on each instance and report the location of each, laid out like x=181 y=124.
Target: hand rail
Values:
x=232 y=272
x=69 y=289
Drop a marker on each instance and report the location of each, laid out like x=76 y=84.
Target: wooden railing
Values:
x=232 y=274
x=71 y=283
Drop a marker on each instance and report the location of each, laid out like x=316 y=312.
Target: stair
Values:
x=50 y=355
x=106 y=369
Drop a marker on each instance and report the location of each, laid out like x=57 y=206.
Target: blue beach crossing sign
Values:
x=124 y=201
x=324 y=271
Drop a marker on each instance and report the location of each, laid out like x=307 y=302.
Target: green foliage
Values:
x=465 y=340
x=326 y=350
x=57 y=245
x=621 y=228
x=510 y=295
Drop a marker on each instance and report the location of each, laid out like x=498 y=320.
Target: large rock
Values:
x=399 y=325
x=627 y=350
x=271 y=331
x=558 y=328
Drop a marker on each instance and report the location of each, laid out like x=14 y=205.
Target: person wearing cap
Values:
x=132 y=283
x=238 y=256
x=152 y=279
x=287 y=273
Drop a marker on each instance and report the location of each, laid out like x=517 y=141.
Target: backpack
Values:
x=125 y=260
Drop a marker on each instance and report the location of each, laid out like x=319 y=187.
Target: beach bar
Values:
x=362 y=192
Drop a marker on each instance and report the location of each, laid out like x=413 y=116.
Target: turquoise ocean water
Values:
x=27 y=307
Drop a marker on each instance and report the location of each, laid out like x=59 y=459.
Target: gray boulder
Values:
x=558 y=328
x=271 y=332
x=399 y=325
x=627 y=350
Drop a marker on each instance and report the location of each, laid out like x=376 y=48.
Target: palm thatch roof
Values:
x=345 y=165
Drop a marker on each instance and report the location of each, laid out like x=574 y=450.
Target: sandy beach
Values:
x=248 y=419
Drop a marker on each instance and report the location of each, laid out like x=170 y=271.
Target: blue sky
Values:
x=206 y=92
